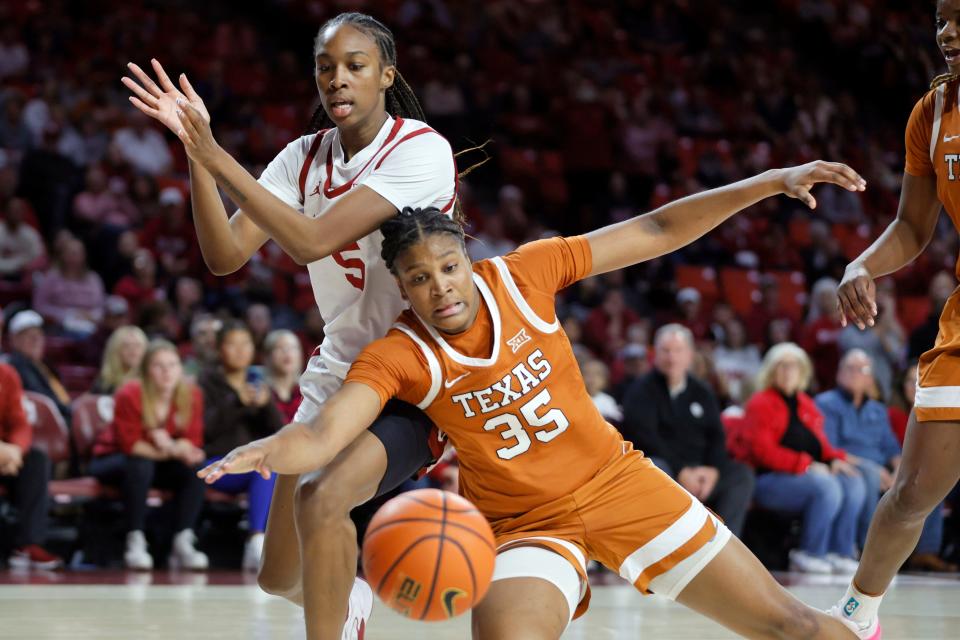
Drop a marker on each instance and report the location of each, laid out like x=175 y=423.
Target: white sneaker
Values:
x=136 y=556
x=185 y=555
x=361 y=604
x=842 y=564
x=807 y=563
x=252 y=552
x=864 y=631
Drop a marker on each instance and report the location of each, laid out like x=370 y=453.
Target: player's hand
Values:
x=159 y=101
x=249 y=457
x=797 y=181
x=857 y=297
x=195 y=133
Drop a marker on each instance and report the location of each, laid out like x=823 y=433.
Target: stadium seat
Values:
x=740 y=289
x=703 y=279
x=913 y=311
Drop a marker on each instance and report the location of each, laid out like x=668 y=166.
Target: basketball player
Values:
x=930 y=466
x=322 y=199
x=482 y=352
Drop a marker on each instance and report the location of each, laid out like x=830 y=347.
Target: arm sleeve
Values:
x=417 y=172
x=282 y=175
x=550 y=265
x=917 y=138
x=393 y=367
x=18 y=429
x=128 y=418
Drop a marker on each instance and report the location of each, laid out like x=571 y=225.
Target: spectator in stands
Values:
x=122 y=358
x=21 y=247
x=170 y=236
x=605 y=330
x=596 y=378
x=155 y=440
x=187 y=300
x=27 y=347
x=736 y=361
x=70 y=294
x=798 y=471
x=691 y=314
x=284 y=364
x=238 y=410
x=858 y=424
x=259 y=321
x=767 y=311
x=674 y=418
x=24 y=471
x=14 y=133
x=941 y=286
x=202 y=350
x=104 y=202
x=821 y=331
x=143 y=146
x=885 y=342
x=140 y=288
x=926 y=557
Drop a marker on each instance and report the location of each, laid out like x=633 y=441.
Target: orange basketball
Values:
x=429 y=554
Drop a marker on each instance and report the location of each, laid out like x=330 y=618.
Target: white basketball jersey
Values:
x=410 y=165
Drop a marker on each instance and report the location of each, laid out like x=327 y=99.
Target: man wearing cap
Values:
x=674 y=418
x=24 y=472
x=28 y=342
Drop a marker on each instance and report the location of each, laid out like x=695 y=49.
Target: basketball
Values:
x=429 y=554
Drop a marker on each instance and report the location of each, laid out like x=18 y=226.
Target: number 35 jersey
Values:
x=408 y=164
x=507 y=391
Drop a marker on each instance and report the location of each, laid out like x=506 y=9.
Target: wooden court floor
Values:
x=105 y=606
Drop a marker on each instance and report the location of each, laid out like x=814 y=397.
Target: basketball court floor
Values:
x=116 y=605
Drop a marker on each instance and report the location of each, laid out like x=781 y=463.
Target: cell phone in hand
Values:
x=255 y=376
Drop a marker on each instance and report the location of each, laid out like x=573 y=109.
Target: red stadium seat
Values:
x=91 y=415
x=913 y=311
x=703 y=279
x=49 y=428
x=77 y=379
x=793 y=291
x=740 y=289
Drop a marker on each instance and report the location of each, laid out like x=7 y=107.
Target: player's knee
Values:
x=320 y=499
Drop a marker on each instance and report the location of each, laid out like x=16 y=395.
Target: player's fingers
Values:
x=841 y=312
x=139 y=91
x=849 y=174
x=186 y=124
x=866 y=298
x=860 y=306
x=162 y=76
x=842 y=179
x=188 y=88
x=150 y=111
x=146 y=80
x=802 y=193
x=847 y=305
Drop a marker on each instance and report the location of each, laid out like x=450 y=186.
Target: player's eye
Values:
x=323 y=68
x=941 y=23
x=355 y=66
x=450 y=267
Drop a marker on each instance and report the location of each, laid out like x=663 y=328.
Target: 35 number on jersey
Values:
x=515 y=429
x=356 y=271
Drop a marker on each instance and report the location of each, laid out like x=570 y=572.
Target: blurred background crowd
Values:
x=788 y=425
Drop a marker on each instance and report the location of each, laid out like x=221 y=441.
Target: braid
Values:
x=399 y=99
x=943 y=79
x=411 y=226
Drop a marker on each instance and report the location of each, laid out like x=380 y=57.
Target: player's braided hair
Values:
x=943 y=79
x=411 y=226
x=400 y=99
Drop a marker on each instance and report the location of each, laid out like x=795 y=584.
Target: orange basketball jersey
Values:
x=514 y=406
x=933 y=149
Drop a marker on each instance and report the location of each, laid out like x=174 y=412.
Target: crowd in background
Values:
x=596 y=111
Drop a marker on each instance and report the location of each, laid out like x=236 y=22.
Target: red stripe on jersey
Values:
x=413 y=134
x=305 y=169
x=332 y=192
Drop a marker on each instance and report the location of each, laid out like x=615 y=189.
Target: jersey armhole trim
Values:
x=538 y=323
x=305 y=169
x=432 y=361
x=937 y=117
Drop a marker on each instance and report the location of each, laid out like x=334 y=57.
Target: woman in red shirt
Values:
x=284 y=362
x=797 y=468
x=155 y=441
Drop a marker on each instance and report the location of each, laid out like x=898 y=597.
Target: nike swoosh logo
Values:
x=449 y=383
x=947 y=138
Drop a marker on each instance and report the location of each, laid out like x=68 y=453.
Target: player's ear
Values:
x=387 y=77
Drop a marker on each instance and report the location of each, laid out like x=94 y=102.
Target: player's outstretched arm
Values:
x=898 y=245
x=226 y=244
x=298 y=447
x=679 y=223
